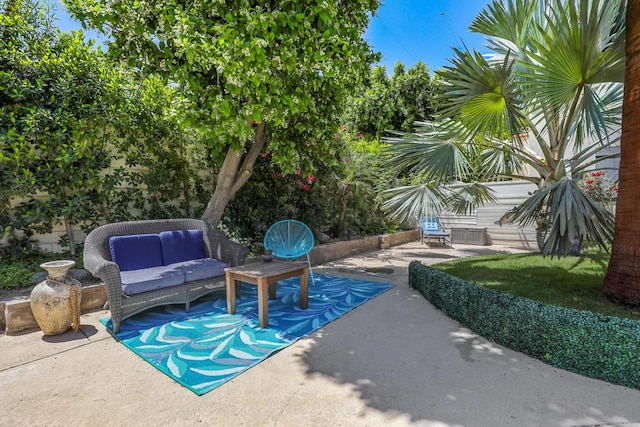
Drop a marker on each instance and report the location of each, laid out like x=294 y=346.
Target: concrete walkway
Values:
x=394 y=361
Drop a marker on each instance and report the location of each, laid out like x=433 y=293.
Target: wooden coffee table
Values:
x=262 y=274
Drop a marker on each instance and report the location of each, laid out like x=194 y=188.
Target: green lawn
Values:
x=573 y=282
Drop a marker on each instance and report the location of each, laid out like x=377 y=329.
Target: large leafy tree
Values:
x=53 y=91
x=555 y=74
x=623 y=280
x=391 y=102
x=256 y=73
x=82 y=140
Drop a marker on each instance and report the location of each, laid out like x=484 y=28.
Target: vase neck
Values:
x=57 y=269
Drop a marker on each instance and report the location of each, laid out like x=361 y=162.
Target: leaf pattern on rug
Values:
x=206 y=347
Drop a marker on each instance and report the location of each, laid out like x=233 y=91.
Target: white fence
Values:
x=508 y=194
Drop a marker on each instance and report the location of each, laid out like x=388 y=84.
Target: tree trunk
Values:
x=623 y=275
x=68 y=228
x=232 y=177
x=541 y=237
x=343 y=209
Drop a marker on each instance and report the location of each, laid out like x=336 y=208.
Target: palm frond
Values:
x=581 y=47
x=508 y=24
x=483 y=96
x=432 y=154
x=465 y=197
x=572 y=215
x=412 y=201
x=430 y=199
x=587 y=156
x=600 y=112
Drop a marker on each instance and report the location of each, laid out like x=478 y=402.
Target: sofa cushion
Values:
x=199 y=269
x=149 y=279
x=136 y=251
x=181 y=245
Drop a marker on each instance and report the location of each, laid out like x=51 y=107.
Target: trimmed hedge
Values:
x=589 y=344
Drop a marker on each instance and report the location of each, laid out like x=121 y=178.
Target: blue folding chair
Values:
x=289 y=240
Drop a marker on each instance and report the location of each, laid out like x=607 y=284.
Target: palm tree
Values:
x=623 y=275
x=556 y=75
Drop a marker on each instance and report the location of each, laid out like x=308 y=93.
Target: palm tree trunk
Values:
x=623 y=276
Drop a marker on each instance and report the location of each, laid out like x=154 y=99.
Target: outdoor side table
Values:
x=263 y=274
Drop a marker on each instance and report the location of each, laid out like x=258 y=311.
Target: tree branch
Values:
x=247 y=165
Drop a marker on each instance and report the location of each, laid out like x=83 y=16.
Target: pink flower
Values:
x=298 y=172
x=278 y=174
x=360 y=135
x=306 y=187
x=311 y=179
x=589 y=181
x=265 y=154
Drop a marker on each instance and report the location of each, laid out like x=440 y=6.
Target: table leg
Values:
x=304 y=289
x=263 y=303
x=272 y=290
x=231 y=292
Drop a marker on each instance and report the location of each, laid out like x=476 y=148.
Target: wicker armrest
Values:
x=98 y=265
x=223 y=249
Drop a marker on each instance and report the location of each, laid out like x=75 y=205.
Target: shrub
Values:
x=16 y=273
x=583 y=342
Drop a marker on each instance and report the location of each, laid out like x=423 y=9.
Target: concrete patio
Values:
x=394 y=361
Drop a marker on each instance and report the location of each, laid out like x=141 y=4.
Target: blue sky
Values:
x=425 y=30
x=402 y=30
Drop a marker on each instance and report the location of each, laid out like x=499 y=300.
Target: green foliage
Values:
x=392 y=103
x=52 y=93
x=163 y=159
x=599 y=187
x=71 y=118
x=286 y=67
x=571 y=282
x=340 y=196
x=19 y=248
x=555 y=77
x=586 y=343
x=16 y=275
x=16 y=270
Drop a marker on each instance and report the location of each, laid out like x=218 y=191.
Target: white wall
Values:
x=508 y=194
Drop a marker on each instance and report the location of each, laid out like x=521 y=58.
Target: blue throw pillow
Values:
x=136 y=251
x=181 y=245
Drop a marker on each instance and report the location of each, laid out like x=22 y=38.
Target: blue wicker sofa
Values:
x=144 y=264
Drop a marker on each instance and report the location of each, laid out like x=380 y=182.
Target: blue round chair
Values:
x=289 y=240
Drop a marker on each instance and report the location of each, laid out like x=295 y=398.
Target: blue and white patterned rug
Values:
x=207 y=347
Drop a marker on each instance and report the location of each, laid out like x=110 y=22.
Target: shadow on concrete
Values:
x=411 y=359
x=83 y=333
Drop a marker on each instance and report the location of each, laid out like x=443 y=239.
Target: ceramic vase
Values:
x=55 y=302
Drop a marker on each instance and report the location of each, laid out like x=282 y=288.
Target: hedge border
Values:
x=590 y=344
